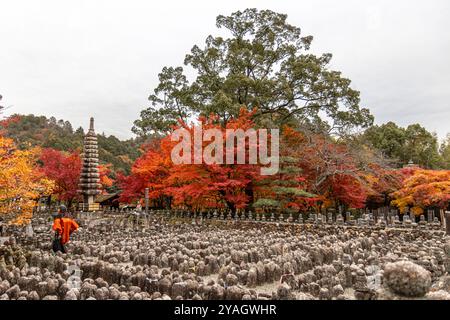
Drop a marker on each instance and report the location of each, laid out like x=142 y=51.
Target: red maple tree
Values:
x=64 y=170
x=332 y=172
x=193 y=186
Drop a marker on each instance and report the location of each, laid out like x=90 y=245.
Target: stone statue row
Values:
x=383 y=217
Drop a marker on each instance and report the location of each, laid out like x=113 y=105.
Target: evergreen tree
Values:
x=264 y=63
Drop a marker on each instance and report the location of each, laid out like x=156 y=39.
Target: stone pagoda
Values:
x=90 y=176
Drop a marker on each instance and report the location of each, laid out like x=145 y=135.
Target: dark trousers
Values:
x=59 y=246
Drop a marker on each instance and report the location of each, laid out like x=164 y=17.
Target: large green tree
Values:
x=388 y=138
x=422 y=146
x=263 y=63
x=413 y=143
x=444 y=150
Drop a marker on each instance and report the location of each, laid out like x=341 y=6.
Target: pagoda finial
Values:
x=91 y=125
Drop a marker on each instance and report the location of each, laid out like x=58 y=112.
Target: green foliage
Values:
x=31 y=130
x=266 y=203
x=291 y=191
x=285 y=190
x=404 y=144
x=445 y=153
x=264 y=64
x=121 y=154
x=388 y=138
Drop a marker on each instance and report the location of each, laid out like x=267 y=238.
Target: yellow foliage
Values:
x=22 y=219
x=327 y=203
x=21 y=183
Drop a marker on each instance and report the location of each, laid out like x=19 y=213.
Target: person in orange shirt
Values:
x=64 y=227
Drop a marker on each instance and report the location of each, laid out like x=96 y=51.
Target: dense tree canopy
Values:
x=31 y=130
x=413 y=143
x=444 y=150
x=64 y=169
x=194 y=186
x=264 y=63
x=315 y=172
x=286 y=190
x=423 y=189
x=21 y=182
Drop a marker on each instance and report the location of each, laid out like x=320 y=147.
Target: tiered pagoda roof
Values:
x=90 y=177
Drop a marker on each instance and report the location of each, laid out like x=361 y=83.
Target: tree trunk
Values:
x=250 y=194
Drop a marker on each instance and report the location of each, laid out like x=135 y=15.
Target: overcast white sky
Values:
x=76 y=59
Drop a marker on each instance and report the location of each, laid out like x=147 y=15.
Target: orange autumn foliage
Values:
x=21 y=183
x=380 y=183
x=193 y=186
x=316 y=171
x=423 y=189
x=105 y=180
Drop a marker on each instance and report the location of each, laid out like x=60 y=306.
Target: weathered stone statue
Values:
x=90 y=176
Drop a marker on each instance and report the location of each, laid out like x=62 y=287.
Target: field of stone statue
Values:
x=160 y=258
